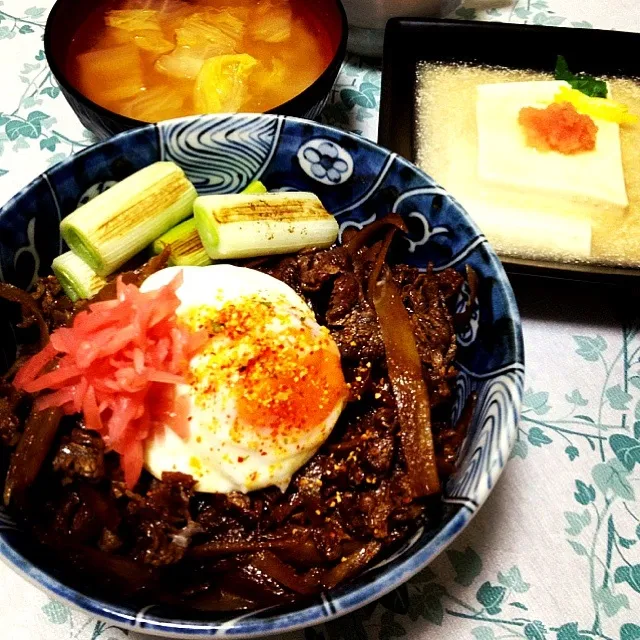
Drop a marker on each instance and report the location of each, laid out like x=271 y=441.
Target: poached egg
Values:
x=263 y=393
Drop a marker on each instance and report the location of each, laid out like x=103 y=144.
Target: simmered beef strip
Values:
x=80 y=455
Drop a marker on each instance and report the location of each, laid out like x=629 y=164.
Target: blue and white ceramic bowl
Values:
x=358 y=182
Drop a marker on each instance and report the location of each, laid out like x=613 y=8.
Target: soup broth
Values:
x=158 y=59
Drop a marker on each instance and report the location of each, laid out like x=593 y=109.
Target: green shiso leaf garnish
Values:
x=587 y=84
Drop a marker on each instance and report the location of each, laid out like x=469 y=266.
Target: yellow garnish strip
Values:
x=602 y=108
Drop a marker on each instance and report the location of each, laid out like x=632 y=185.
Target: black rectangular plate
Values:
x=409 y=42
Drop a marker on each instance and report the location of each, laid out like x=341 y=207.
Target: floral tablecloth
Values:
x=555 y=552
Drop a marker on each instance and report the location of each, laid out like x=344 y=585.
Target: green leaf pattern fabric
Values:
x=555 y=552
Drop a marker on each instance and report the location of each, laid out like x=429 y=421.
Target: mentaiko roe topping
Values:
x=118 y=365
x=559 y=128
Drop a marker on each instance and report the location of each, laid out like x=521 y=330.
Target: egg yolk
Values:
x=282 y=368
x=289 y=394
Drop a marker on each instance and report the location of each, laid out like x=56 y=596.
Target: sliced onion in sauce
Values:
x=26 y=461
x=409 y=388
x=363 y=237
x=24 y=299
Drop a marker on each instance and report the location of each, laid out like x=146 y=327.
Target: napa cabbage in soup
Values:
x=157 y=59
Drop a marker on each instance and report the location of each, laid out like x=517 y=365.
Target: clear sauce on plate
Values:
x=447 y=149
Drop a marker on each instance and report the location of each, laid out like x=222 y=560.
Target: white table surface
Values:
x=555 y=552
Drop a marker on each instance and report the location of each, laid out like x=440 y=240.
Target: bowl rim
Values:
x=351 y=598
x=62 y=79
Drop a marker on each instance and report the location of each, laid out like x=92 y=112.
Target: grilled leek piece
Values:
x=185 y=246
x=184 y=240
x=117 y=224
x=255 y=187
x=76 y=277
x=245 y=225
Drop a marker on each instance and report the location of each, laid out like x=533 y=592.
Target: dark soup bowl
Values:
x=68 y=16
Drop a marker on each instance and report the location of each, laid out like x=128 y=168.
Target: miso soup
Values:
x=158 y=59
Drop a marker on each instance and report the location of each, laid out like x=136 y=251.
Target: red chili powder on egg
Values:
x=286 y=380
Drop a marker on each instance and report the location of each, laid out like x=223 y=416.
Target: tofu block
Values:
x=525 y=234
x=581 y=185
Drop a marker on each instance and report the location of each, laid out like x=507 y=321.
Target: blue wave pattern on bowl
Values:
x=357 y=182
